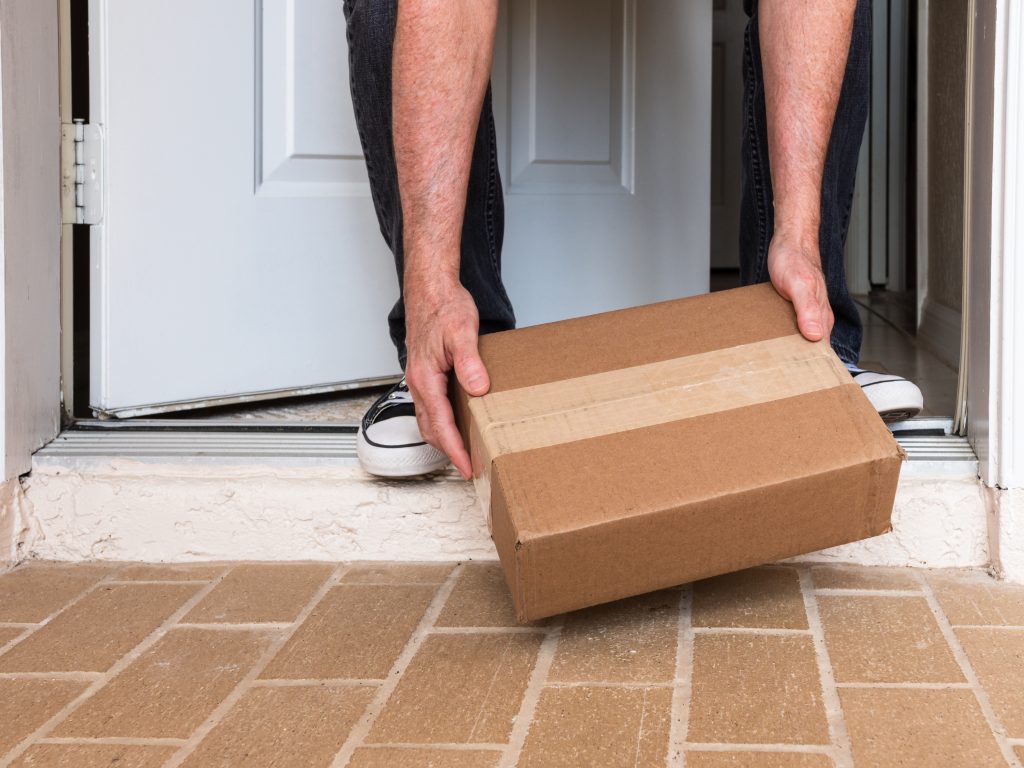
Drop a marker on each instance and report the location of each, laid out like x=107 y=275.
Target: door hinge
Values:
x=81 y=173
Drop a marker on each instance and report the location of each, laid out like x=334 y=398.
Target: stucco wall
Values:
x=122 y=509
x=947 y=51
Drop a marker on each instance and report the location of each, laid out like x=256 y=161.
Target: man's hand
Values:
x=442 y=61
x=804 y=47
x=795 y=270
x=441 y=335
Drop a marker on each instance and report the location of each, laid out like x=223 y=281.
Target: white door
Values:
x=238 y=254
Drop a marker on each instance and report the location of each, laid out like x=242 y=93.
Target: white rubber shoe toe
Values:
x=894 y=397
x=394 y=448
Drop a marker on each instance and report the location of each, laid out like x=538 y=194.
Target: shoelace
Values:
x=401 y=394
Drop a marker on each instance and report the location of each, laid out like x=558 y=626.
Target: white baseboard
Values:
x=121 y=509
x=939 y=332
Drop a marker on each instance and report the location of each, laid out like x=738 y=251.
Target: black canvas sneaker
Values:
x=894 y=397
x=389 y=443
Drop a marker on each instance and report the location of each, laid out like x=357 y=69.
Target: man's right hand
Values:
x=441 y=64
x=442 y=326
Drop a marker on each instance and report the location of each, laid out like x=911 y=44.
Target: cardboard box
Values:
x=635 y=450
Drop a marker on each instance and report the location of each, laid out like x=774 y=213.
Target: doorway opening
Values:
x=904 y=251
x=906 y=286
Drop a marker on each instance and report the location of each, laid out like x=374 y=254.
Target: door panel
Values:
x=239 y=252
x=602 y=107
x=239 y=255
x=306 y=130
x=572 y=86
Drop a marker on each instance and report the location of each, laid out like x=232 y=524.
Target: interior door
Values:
x=238 y=255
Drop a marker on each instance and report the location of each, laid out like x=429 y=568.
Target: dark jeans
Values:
x=371 y=33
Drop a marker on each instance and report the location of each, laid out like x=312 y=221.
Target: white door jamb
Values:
x=996 y=349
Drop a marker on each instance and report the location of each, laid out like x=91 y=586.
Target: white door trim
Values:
x=996 y=405
x=30 y=234
x=1007 y=420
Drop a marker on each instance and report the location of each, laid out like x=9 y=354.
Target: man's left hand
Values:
x=795 y=270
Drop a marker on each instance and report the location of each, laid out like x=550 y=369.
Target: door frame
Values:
x=996 y=338
x=995 y=357
x=29 y=234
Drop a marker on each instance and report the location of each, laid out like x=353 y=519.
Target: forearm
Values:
x=441 y=66
x=804 y=47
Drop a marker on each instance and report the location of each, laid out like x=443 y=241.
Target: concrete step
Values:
x=297 y=493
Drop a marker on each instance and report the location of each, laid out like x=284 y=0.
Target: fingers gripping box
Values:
x=635 y=450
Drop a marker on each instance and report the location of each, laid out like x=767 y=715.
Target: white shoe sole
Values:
x=412 y=461
x=895 y=400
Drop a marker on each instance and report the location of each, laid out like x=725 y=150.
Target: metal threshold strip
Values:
x=203 y=439
x=923 y=440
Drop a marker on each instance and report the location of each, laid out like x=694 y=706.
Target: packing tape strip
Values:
x=647 y=395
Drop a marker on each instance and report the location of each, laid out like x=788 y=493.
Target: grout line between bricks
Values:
x=392 y=583
x=126 y=741
x=144 y=645
x=120 y=582
x=1010 y=627
x=748 y=631
x=604 y=684
x=18 y=624
x=362 y=728
x=813 y=749
x=994 y=724
x=484 y=630
x=245 y=683
x=842 y=751
x=254 y=625
x=449 y=746
x=327 y=682
x=17 y=639
x=33 y=628
x=531 y=697
x=905 y=686
x=838 y=592
x=682 y=691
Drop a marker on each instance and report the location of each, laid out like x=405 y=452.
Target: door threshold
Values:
x=930 y=449
x=225 y=442
x=288 y=492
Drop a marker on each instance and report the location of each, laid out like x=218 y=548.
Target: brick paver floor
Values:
x=412 y=665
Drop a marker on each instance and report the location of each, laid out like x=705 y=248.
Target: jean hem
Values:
x=847 y=355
